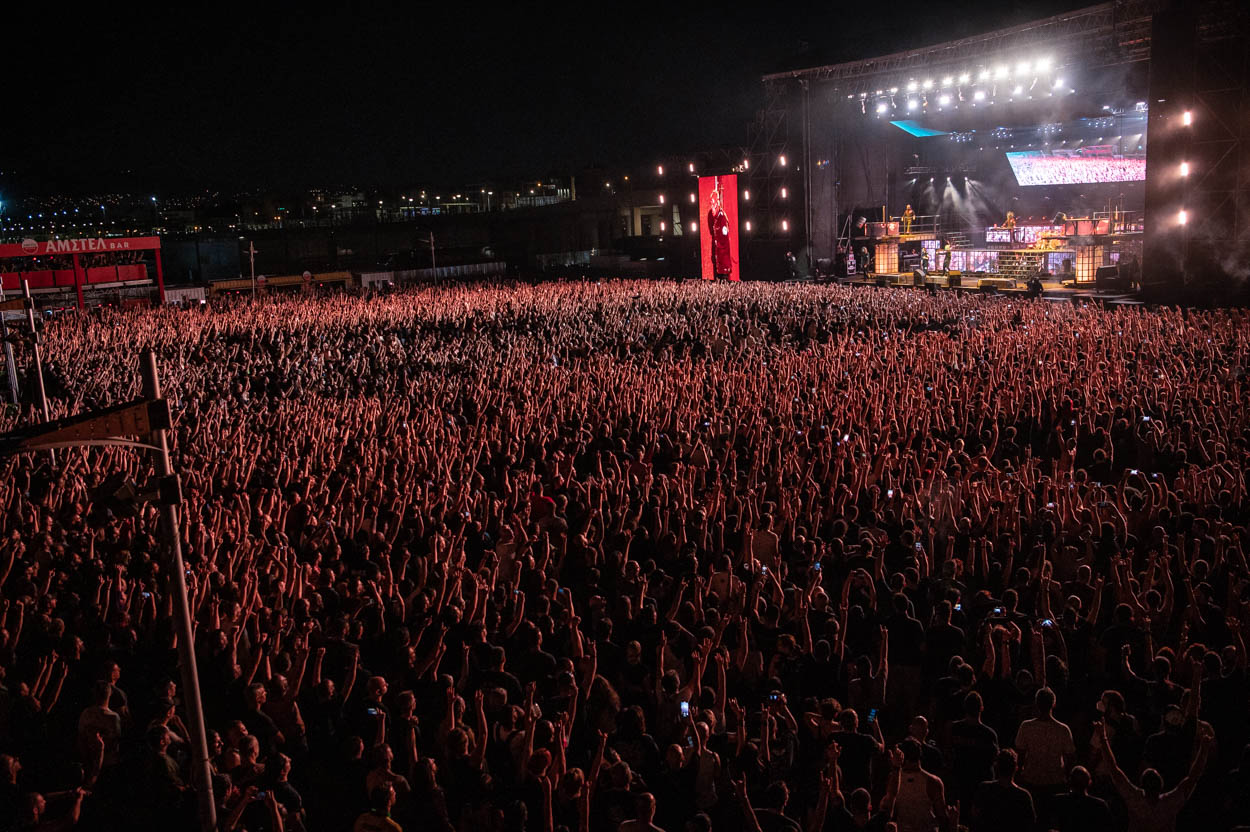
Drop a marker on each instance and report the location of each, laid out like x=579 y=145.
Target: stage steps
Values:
x=1020 y=265
x=959 y=239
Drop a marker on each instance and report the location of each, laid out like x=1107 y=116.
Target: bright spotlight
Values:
x=979 y=95
x=1023 y=68
x=928 y=84
x=913 y=104
x=748 y=225
x=691 y=167
x=659 y=170
x=782 y=160
x=1018 y=90
x=1043 y=64
x=911 y=86
x=1187 y=118
x=948 y=80
x=882 y=107
x=944 y=100
x=1182 y=217
x=785 y=225
x=1001 y=73
x=985 y=75
x=694 y=226
x=1058 y=83
x=693 y=199
x=661 y=199
x=784 y=193
x=746 y=196
x=663 y=225
x=1184 y=168
x=965 y=78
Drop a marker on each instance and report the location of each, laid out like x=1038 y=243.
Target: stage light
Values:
x=1001 y=73
x=694 y=226
x=913 y=104
x=893 y=90
x=985 y=75
x=965 y=78
x=1187 y=118
x=784 y=193
x=748 y=225
x=979 y=95
x=691 y=167
x=785 y=225
x=882 y=107
x=663 y=225
x=944 y=100
x=693 y=199
x=1018 y=90
x=928 y=83
x=659 y=170
x=746 y=196
x=782 y=160
x=1184 y=168
x=948 y=80
x=1182 y=217
x=1043 y=64
x=911 y=86
x=746 y=164
x=1023 y=68
x=661 y=199
x=1058 y=83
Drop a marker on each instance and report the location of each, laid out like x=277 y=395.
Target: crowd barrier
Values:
x=375 y=279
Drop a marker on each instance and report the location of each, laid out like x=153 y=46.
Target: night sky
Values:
x=438 y=93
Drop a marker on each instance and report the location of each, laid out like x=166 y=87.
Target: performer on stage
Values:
x=946 y=258
x=908 y=216
x=718 y=225
x=1010 y=225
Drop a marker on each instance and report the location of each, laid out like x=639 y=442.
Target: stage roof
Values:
x=1108 y=34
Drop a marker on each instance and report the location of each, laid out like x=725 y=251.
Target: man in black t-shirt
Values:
x=1000 y=804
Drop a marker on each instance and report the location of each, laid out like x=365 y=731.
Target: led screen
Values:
x=718 y=235
x=1081 y=166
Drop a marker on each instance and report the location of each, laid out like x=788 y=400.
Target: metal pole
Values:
x=8 y=353
x=433 y=258
x=201 y=771
x=251 y=256
x=38 y=354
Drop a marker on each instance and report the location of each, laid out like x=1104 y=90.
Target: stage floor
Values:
x=1051 y=289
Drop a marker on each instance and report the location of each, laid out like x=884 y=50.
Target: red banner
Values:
x=85 y=245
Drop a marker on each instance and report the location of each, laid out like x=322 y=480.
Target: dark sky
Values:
x=440 y=93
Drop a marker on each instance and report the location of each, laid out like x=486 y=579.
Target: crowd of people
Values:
x=1034 y=167
x=641 y=556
